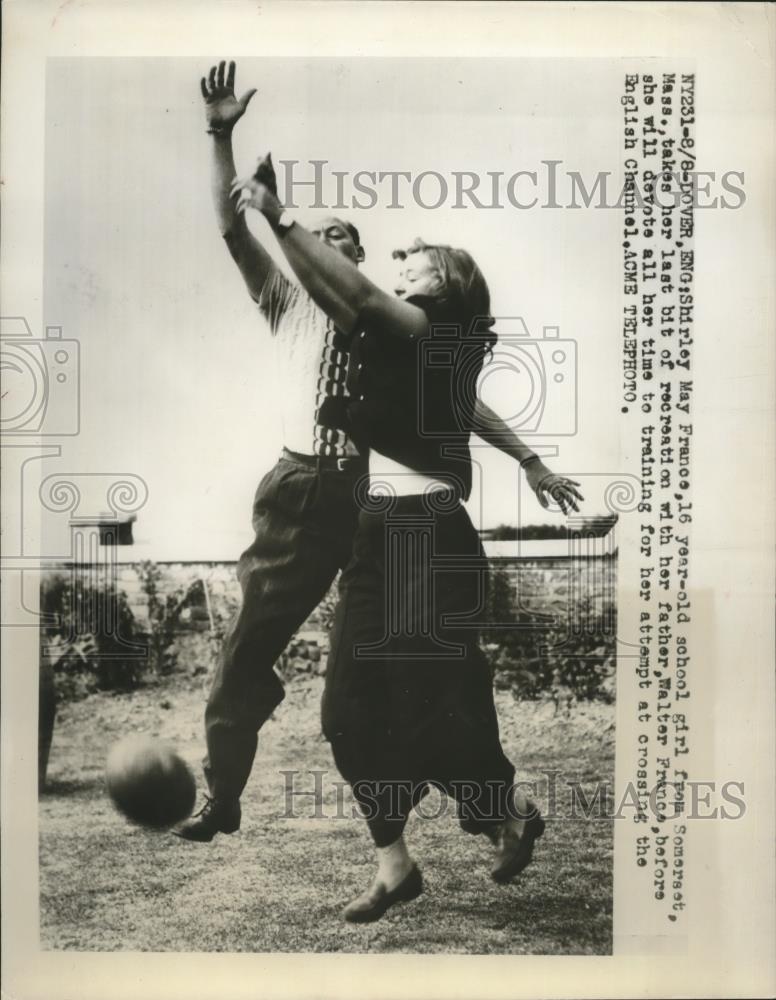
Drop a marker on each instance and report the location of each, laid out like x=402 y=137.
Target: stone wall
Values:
x=548 y=631
x=544 y=587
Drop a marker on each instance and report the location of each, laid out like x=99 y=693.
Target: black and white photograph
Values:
x=370 y=422
x=333 y=641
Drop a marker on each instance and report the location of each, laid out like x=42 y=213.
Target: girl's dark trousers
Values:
x=408 y=702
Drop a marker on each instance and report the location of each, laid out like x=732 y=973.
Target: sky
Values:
x=176 y=376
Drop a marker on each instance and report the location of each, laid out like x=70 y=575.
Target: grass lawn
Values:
x=279 y=884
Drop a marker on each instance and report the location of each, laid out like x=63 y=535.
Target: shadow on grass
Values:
x=72 y=786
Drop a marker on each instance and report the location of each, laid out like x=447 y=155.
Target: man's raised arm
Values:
x=222 y=112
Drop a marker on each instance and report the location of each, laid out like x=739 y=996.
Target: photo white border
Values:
x=730 y=946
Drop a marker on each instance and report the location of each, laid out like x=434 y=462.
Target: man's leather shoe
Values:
x=515 y=852
x=373 y=903
x=216 y=816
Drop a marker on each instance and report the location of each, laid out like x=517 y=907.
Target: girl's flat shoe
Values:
x=515 y=853
x=373 y=903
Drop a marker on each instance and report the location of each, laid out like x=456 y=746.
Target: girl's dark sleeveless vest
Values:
x=413 y=400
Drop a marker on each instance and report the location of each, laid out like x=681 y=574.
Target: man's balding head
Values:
x=340 y=235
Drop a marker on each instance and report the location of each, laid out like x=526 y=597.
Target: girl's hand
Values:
x=259 y=191
x=560 y=488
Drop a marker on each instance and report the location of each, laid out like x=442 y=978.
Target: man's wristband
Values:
x=527 y=461
x=218 y=131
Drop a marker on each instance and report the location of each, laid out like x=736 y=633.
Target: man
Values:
x=305 y=509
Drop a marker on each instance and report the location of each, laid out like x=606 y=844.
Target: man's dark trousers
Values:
x=304 y=517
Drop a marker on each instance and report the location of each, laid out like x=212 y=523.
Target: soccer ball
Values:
x=149 y=783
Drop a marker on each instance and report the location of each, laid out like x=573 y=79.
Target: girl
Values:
x=408 y=702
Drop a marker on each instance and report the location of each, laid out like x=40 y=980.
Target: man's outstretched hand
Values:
x=222 y=109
